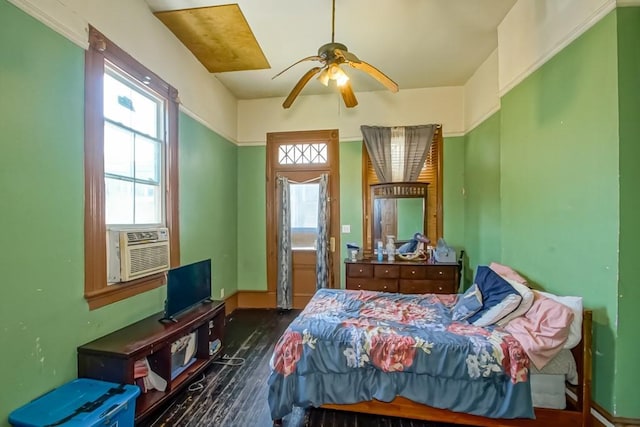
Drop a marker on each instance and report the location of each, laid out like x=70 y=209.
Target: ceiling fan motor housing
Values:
x=326 y=51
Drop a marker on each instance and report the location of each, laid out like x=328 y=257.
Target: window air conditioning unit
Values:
x=135 y=253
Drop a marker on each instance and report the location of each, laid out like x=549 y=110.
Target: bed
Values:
x=403 y=355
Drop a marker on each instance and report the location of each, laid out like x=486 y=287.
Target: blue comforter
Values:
x=352 y=346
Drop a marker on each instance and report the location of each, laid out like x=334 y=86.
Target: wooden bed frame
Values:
x=577 y=413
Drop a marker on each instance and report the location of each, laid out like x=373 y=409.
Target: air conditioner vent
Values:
x=147 y=259
x=132 y=254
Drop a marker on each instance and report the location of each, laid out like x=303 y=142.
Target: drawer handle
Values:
x=386 y=271
x=359 y=286
x=360 y=270
x=439 y=288
x=440 y=273
x=384 y=287
x=413 y=272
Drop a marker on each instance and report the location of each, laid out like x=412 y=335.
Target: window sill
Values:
x=121 y=291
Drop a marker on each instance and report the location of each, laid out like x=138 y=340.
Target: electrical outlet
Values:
x=221 y=293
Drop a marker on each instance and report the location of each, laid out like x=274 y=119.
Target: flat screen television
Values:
x=187 y=286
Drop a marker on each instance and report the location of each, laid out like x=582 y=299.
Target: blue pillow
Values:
x=468 y=304
x=494 y=290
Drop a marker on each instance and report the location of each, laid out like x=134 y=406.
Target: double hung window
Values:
x=133 y=152
x=130 y=161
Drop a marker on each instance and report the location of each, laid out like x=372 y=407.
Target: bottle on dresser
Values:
x=391 y=248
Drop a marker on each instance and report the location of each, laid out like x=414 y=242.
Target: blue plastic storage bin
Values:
x=82 y=402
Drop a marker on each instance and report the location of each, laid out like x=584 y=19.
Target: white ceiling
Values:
x=417 y=43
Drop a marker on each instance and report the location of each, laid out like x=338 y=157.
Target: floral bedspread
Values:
x=351 y=346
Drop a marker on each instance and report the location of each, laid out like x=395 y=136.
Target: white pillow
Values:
x=575 y=304
x=525 y=304
x=500 y=310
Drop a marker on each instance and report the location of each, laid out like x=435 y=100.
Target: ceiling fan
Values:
x=332 y=55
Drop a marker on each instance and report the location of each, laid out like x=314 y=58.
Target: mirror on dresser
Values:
x=431 y=174
x=399 y=210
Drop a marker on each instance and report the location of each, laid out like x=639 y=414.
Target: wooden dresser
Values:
x=403 y=277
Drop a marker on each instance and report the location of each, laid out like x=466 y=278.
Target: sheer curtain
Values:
x=323 y=258
x=398 y=153
x=284 y=289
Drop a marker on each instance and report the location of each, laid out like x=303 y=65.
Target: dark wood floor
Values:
x=236 y=396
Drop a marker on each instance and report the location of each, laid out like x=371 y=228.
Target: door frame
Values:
x=274 y=140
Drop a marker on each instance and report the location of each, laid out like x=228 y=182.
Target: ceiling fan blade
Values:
x=298 y=87
x=308 y=58
x=376 y=74
x=348 y=96
x=346 y=55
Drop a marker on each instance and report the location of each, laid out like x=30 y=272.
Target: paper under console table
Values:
x=113 y=356
x=403 y=277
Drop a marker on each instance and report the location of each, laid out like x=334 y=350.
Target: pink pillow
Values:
x=543 y=329
x=507 y=272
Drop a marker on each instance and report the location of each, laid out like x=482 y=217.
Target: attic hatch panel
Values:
x=219 y=36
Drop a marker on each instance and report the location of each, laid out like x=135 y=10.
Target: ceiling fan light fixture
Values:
x=336 y=73
x=324 y=77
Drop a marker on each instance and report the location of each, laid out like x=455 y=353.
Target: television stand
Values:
x=113 y=356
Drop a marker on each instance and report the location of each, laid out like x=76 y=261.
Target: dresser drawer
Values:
x=381 y=285
x=359 y=270
x=426 y=287
x=440 y=272
x=413 y=272
x=386 y=271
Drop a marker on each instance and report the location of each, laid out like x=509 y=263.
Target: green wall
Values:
x=209 y=203
x=43 y=313
x=551 y=189
x=350 y=198
x=626 y=401
x=453 y=191
x=482 y=196
x=559 y=184
x=252 y=224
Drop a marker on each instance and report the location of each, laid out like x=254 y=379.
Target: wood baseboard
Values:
x=256 y=299
x=230 y=303
x=615 y=421
x=267 y=299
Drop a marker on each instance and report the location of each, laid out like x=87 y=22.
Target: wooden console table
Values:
x=112 y=357
x=403 y=277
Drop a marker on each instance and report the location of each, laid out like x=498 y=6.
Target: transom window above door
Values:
x=301 y=154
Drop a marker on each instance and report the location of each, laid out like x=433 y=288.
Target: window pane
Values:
x=118 y=151
x=148 y=204
x=130 y=106
x=147 y=159
x=304 y=215
x=119 y=201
